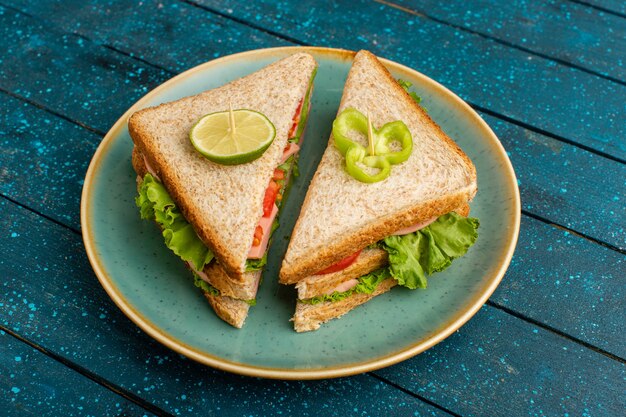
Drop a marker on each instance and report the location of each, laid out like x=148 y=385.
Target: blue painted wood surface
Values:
x=489 y=366
x=563 y=30
x=548 y=343
x=34 y=384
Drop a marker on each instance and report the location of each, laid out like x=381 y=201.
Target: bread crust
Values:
x=310 y=316
x=296 y=267
x=233 y=312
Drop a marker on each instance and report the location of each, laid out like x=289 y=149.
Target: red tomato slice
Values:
x=296 y=120
x=270 y=198
x=279 y=174
x=341 y=265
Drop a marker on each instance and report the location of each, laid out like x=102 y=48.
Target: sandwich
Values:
x=388 y=203
x=218 y=215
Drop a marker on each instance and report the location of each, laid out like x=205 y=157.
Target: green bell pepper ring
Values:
x=348 y=119
x=357 y=154
x=390 y=132
x=383 y=157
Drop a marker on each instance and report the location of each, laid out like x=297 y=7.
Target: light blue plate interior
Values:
x=152 y=282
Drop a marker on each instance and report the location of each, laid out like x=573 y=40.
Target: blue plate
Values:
x=153 y=288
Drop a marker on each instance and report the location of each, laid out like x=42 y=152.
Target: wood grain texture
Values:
x=555 y=98
x=497 y=365
x=560 y=182
x=567 y=31
x=43 y=160
x=57 y=302
x=85 y=82
x=32 y=384
x=172 y=34
x=567 y=283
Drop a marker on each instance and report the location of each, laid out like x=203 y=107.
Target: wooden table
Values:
x=550 y=79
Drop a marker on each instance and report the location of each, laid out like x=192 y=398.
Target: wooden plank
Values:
x=555 y=98
x=569 y=284
x=35 y=385
x=567 y=31
x=73 y=307
x=69 y=75
x=190 y=35
x=93 y=84
x=43 y=160
x=560 y=182
x=58 y=303
x=498 y=365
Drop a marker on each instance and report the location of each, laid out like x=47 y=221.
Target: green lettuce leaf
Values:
x=204 y=286
x=367 y=284
x=155 y=203
x=256 y=264
x=407 y=85
x=430 y=250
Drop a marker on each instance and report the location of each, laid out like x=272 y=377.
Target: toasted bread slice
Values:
x=222 y=203
x=310 y=316
x=341 y=215
x=232 y=311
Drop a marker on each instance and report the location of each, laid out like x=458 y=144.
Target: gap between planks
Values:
x=600 y=8
x=555 y=331
x=501 y=41
x=90 y=375
x=413 y=394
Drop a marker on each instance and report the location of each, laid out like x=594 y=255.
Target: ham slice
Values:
x=414 y=228
x=344 y=286
x=150 y=170
x=291 y=149
x=257 y=252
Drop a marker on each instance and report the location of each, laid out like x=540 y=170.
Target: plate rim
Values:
x=458 y=320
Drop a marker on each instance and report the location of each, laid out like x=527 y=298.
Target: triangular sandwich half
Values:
x=228 y=210
x=340 y=249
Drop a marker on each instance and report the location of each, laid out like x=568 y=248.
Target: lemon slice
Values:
x=232 y=137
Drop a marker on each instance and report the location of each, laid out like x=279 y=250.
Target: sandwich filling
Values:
x=413 y=256
x=155 y=203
